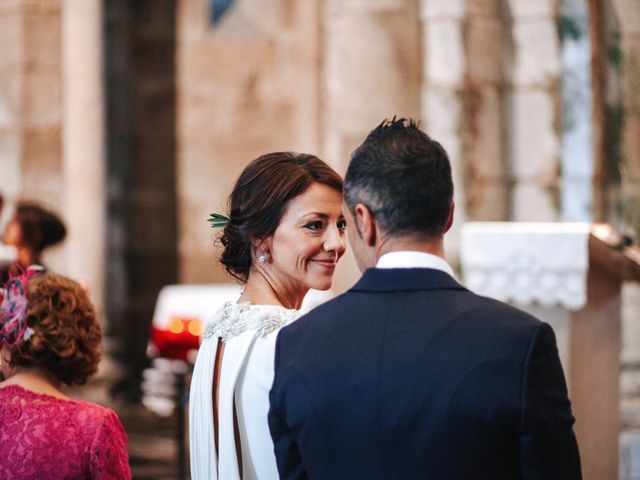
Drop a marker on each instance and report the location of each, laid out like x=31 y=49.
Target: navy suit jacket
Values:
x=410 y=375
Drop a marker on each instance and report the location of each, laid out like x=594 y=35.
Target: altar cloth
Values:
x=527 y=263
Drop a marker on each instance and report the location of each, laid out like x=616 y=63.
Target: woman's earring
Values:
x=263 y=258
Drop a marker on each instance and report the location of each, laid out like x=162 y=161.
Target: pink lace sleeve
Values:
x=109 y=457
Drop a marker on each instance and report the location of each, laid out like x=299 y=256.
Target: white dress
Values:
x=249 y=333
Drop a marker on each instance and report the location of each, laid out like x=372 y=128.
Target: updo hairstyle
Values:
x=66 y=336
x=260 y=197
x=39 y=227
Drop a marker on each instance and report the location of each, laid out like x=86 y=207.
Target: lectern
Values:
x=579 y=267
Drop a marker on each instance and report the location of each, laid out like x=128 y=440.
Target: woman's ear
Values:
x=261 y=245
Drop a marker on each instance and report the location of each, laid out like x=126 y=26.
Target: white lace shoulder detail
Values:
x=235 y=318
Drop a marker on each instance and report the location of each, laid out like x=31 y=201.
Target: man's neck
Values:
x=434 y=246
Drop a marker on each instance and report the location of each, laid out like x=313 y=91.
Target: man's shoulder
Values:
x=491 y=306
x=483 y=313
x=323 y=312
x=462 y=297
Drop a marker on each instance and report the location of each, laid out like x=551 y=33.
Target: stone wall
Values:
x=490 y=94
x=31 y=104
x=371 y=69
x=628 y=14
x=247 y=86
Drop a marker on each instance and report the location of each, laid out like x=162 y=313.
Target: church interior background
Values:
x=133 y=118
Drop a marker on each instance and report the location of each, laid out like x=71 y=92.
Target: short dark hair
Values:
x=67 y=334
x=403 y=177
x=260 y=197
x=39 y=227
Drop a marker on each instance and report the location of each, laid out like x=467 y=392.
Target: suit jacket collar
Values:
x=404 y=279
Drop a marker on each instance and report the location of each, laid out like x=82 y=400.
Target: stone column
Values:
x=371 y=72
x=484 y=130
x=443 y=80
x=83 y=151
x=140 y=84
x=534 y=106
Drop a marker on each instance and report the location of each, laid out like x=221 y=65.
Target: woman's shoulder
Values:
x=234 y=319
x=80 y=409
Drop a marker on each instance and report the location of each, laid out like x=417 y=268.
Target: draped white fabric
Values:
x=545 y=263
x=201 y=437
x=249 y=333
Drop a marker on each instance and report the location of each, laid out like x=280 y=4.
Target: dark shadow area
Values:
x=140 y=87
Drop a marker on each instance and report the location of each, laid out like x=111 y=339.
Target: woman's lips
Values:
x=328 y=264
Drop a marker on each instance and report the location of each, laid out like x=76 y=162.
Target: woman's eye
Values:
x=317 y=225
x=342 y=225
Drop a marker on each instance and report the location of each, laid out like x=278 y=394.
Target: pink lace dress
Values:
x=46 y=437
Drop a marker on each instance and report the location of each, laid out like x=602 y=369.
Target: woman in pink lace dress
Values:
x=49 y=335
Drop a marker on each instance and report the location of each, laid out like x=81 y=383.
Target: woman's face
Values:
x=12 y=235
x=309 y=240
x=5 y=370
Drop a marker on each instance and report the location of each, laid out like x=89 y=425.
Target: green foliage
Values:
x=569 y=28
x=218 y=220
x=614 y=116
x=614 y=55
x=627 y=210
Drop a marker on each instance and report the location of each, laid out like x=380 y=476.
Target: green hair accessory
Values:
x=218 y=220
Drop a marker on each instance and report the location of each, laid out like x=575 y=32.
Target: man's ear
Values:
x=365 y=223
x=450 y=221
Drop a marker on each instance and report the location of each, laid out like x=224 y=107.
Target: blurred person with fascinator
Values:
x=49 y=336
x=284 y=235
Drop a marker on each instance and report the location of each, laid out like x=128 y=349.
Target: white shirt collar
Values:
x=412 y=259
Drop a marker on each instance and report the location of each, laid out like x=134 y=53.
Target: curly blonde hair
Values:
x=67 y=334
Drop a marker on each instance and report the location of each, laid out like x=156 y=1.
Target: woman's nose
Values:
x=335 y=241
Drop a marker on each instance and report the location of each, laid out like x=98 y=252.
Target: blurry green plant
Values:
x=569 y=28
x=614 y=115
x=614 y=55
x=628 y=207
x=218 y=220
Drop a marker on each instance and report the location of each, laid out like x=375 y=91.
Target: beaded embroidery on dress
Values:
x=235 y=318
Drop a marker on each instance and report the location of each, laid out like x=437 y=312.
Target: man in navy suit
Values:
x=408 y=374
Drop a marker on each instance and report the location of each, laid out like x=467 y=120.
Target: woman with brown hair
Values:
x=49 y=336
x=283 y=236
x=31 y=230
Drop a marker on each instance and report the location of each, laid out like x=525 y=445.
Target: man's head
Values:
x=400 y=180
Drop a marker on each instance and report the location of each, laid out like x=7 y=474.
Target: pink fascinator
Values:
x=13 y=309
